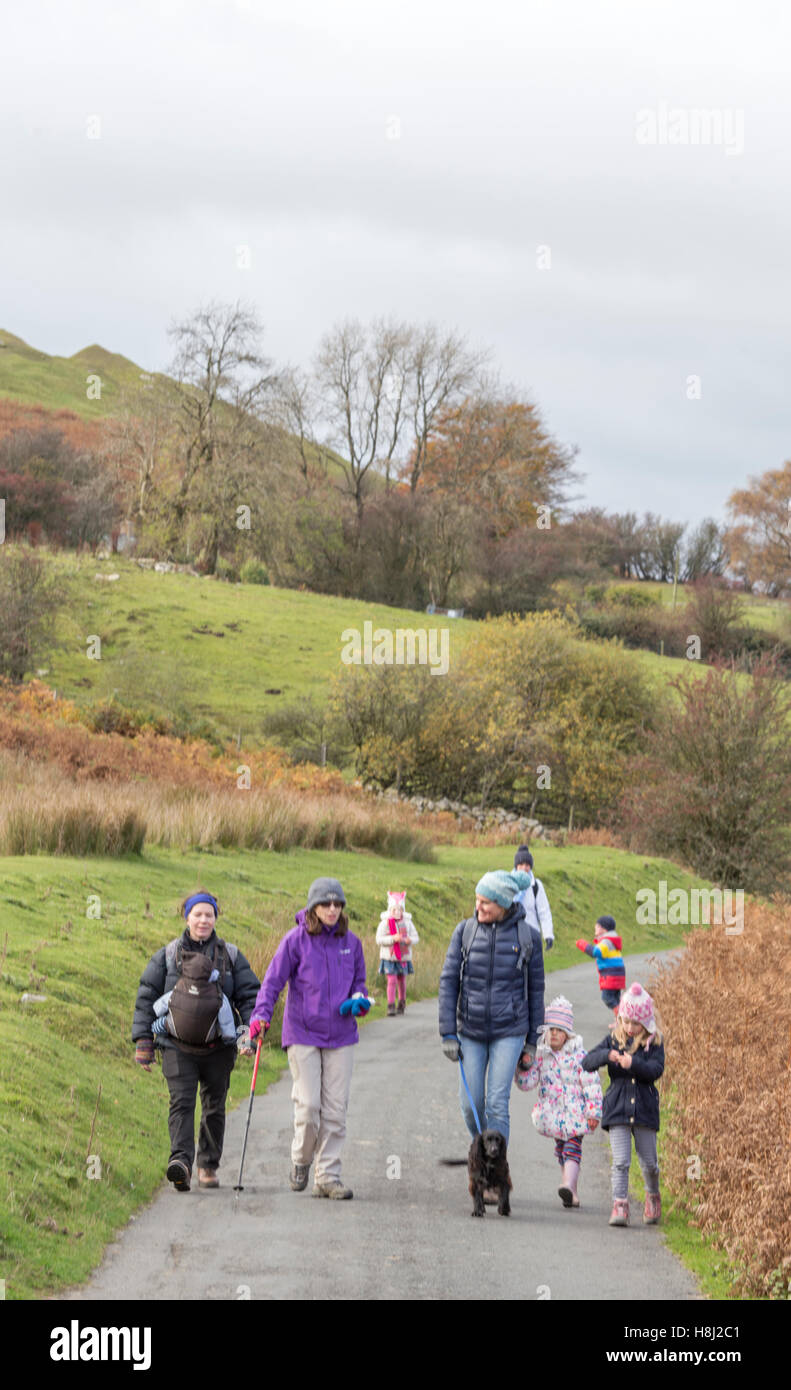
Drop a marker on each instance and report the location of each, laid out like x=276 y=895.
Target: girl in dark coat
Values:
x=186 y=1068
x=635 y=1058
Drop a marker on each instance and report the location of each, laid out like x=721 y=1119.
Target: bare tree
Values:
x=296 y=410
x=223 y=382
x=441 y=370
x=362 y=374
x=704 y=552
x=443 y=538
x=136 y=438
x=659 y=553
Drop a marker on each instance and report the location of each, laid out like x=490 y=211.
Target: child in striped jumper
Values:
x=606 y=949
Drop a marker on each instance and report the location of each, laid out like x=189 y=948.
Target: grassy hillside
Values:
x=228 y=652
x=231 y=653
x=55 y=1218
x=61 y=382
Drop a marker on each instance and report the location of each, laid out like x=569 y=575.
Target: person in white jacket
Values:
x=395 y=937
x=534 y=900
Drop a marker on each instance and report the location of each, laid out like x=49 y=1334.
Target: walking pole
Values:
x=238 y=1187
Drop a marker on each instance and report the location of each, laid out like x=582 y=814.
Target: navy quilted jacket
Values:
x=490 y=1002
x=631 y=1097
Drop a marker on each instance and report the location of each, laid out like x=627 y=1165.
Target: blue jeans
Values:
x=491 y=1093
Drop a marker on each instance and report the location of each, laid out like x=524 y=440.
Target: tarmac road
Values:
x=409 y=1237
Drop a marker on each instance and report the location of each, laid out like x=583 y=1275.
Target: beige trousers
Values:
x=322 y=1080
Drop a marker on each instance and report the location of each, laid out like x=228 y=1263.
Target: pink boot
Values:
x=620 y=1212
x=653 y=1209
x=568 y=1192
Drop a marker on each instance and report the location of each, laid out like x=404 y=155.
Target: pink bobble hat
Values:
x=638 y=1006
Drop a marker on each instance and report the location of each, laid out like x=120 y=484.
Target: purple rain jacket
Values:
x=320 y=971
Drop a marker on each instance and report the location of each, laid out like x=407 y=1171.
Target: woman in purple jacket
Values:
x=323 y=965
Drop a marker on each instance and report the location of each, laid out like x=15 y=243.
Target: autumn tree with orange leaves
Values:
x=493 y=452
x=758 y=539
x=490 y=469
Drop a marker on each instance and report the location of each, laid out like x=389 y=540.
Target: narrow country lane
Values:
x=410 y=1236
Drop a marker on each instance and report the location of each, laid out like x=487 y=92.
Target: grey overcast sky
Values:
x=411 y=158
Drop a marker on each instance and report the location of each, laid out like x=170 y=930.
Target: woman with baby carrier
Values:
x=194 y=1003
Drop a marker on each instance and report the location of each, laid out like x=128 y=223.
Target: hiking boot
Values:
x=179 y=1174
x=391 y=1011
x=207 y=1177
x=620 y=1212
x=653 y=1209
x=335 y=1190
x=298 y=1180
x=401 y=1006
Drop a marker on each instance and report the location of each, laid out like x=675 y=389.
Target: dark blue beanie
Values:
x=200 y=898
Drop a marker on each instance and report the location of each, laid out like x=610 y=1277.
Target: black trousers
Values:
x=184 y=1073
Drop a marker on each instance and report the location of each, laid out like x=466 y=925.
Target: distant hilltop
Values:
x=89 y=382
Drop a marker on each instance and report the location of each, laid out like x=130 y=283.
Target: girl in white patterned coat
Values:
x=568 y=1106
x=395 y=937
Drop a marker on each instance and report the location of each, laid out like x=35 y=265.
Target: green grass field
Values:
x=58 y=1209
x=228 y=652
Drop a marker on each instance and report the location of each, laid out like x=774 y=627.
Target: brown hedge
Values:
x=726 y=1010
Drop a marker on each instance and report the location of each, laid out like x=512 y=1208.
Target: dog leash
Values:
x=467 y=1089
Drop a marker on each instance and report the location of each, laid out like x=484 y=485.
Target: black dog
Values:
x=487 y=1166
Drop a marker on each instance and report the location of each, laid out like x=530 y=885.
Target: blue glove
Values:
x=356 y=1006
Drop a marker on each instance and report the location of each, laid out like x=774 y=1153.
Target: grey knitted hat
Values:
x=322 y=890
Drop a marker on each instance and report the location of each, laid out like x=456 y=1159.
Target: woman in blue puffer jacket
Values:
x=492 y=1006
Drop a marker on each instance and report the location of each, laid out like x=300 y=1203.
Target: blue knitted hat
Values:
x=201 y=898
x=501 y=887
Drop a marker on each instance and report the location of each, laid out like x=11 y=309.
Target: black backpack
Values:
x=525 y=946
x=195 y=1001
